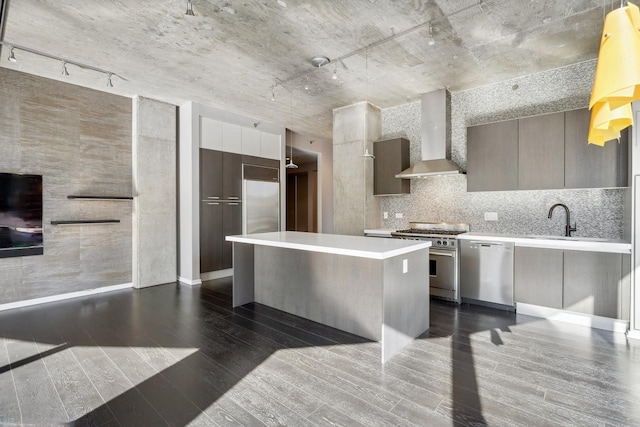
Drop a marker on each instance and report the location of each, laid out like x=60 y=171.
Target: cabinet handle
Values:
x=233 y=198
x=216 y=204
x=213 y=197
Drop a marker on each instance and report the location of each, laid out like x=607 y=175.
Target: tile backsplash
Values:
x=597 y=212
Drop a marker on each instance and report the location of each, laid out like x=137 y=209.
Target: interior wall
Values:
x=154 y=179
x=598 y=212
x=79 y=140
x=324 y=148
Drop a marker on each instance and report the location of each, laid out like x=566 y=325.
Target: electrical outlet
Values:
x=491 y=216
x=385 y=215
x=405 y=266
x=399 y=215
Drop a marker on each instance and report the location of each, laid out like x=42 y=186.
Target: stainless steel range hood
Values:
x=436 y=138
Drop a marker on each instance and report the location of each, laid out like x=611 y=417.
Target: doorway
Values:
x=302 y=192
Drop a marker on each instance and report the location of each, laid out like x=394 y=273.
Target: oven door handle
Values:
x=450 y=254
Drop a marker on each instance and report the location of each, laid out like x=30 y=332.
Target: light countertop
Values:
x=554 y=242
x=358 y=246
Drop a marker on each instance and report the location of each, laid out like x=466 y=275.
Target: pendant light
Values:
x=291 y=165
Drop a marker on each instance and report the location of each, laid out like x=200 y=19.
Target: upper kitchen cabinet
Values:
x=270 y=146
x=210 y=174
x=492 y=156
x=210 y=134
x=541 y=152
x=390 y=158
x=250 y=142
x=588 y=165
x=231 y=138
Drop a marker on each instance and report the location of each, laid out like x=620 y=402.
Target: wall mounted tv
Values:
x=20 y=215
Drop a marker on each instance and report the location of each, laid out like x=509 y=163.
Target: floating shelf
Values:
x=100 y=197
x=85 y=221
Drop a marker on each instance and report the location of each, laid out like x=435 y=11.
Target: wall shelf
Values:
x=85 y=221
x=78 y=197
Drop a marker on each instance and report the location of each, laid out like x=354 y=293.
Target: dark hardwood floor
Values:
x=176 y=355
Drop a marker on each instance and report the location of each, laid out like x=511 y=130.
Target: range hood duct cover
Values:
x=436 y=138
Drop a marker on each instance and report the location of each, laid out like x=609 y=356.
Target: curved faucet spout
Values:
x=568 y=227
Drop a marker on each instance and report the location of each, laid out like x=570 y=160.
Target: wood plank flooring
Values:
x=176 y=355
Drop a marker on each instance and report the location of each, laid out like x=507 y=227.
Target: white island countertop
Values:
x=554 y=242
x=358 y=246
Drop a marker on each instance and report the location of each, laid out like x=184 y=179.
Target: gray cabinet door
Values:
x=592 y=283
x=391 y=157
x=210 y=174
x=231 y=225
x=541 y=152
x=492 y=156
x=232 y=176
x=211 y=237
x=538 y=276
x=588 y=165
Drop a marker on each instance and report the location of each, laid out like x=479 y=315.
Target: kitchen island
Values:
x=375 y=288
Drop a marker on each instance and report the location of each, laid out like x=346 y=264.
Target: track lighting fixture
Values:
x=273 y=93
x=430 y=40
x=306 y=83
x=12 y=56
x=334 y=76
x=190 y=9
x=64 y=61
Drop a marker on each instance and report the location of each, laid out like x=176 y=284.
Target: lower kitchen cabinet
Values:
x=538 y=276
x=592 y=283
x=211 y=236
x=231 y=225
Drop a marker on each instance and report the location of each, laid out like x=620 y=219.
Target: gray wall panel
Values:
x=80 y=141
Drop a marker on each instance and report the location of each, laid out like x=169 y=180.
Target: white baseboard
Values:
x=61 y=297
x=633 y=334
x=212 y=275
x=596 y=322
x=189 y=282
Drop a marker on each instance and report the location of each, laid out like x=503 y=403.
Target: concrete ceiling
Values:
x=232 y=52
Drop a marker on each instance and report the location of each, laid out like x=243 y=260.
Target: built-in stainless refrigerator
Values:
x=261 y=199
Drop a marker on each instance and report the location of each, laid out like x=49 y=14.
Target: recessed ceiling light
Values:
x=281 y=3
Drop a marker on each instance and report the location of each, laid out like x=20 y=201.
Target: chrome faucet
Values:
x=568 y=228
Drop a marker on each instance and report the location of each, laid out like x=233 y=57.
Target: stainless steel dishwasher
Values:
x=486 y=272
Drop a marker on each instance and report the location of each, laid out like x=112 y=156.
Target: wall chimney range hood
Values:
x=436 y=138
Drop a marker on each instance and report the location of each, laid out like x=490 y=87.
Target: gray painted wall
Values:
x=80 y=141
x=598 y=212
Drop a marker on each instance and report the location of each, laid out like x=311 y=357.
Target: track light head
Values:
x=109 y=83
x=190 y=8
x=430 y=40
x=12 y=56
x=65 y=72
x=273 y=93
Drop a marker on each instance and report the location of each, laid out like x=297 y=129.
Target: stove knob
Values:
x=438 y=242
x=445 y=243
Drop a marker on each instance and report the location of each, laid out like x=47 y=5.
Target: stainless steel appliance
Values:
x=486 y=272
x=261 y=204
x=443 y=255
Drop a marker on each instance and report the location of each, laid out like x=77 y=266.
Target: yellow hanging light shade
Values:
x=606 y=123
x=617 y=79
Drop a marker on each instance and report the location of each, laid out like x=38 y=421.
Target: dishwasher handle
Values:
x=484 y=244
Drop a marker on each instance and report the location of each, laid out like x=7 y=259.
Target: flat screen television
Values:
x=20 y=215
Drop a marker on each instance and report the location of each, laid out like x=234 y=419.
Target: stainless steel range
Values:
x=444 y=255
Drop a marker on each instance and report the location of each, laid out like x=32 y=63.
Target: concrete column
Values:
x=355 y=128
x=154 y=187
